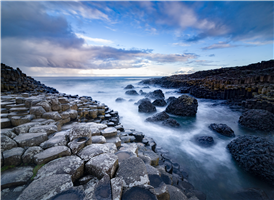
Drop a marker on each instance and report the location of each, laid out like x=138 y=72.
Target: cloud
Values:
x=180 y=44
x=211 y=55
x=220 y=45
x=96 y=40
x=184 y=70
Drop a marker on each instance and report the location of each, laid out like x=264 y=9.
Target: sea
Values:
x=211 y=170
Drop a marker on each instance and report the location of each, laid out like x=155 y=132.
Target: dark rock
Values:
x=93 y=150
x=255 y=155
x=131 y=92
x=79 y=143
x=250 y=193
x=49 y=129
x=205 y=141
x=7 y=143
x=258 y=120
x=142 y=100
x=102 y=189
x=140 y=192
x=159 y=102
x=142 y=92
x=30 y=139
x=146 y=107
x=54 y=141
x=171 y=123
x=160 y=188
x=156 y=94
x=170 y=99
x=222 y=129
x=13 y=156
x=74 y=193
x=184 y=90
x=28 y=155
x=158 y=117
x=129 y=87
x=183 y=106
x=120 y=99
x=175 y=193
x=154 y=158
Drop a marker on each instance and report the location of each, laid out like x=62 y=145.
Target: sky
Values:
x=134 y=38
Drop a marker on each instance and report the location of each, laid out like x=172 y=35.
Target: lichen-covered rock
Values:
x=38 y=111
x=100 y=165
x=143 y=151
x=24 y=128
x=49 y=129
x=18 y=120
x=93 y=150
x=72 y=114
x=102 y=189
x=74 y=193
x=222 y=129
x=47 y=187
x=16 y=176
x=72 y=165
x=30 y=139
x=7 y=143
x=28 y=155
x=116 y=188
x=52 y=115
x=258 y=120
x=255 y=155
x=80 y=130
x=13 y=156
x=109 y=132
x=79 y=143
x=54 y=141
x=183 y=106
x=133 y=171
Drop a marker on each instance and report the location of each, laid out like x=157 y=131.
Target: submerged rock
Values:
x=171 y=123
x=205 y=141
x=131 y=92
x=223 y=129
x=183 y=106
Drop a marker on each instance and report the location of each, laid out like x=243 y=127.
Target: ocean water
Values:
x=211 y=170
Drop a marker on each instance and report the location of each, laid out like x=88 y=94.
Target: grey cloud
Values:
x=220 y=45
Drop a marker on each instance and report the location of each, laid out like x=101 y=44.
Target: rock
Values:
x=133 y=171
x=51 y=154
x=255 y=155
x=139 y=192
x=170 y=99
x=109 y=132
x=197 y=194
x=71 y=165
x=73 y=114
x=250 y=193
x=86 y=179
x=38 y=111
x=129 y=87
x=47 y=187
x=54 y=141
x=65 y=107
x=97 y=126
x=18 y=120
x=100 y=165
x=116 y=188
x=79 y=143
x=52 y=115
x=55 y=104
x=7 y=143
x=13 y=156
x=49 y=129
x=45 y=105
x=80 y=130
x=12 y=193
x=159 y=102
x=175 y=193
x=156 y=94
x=142 y=100
x=258 y=120
x=98 y=139
x=115 y=140
x=160 y=187
x=28 y=155
x=8 y=132
x=171 y=123
x=183 y=106
x=131 y=92
x=63 y=100
x=158 y=117
x=24 y=128
x=120 y=99
x=138 y=136
x=223 y=129
x=205 y=141
x=143 y=151
x=74 y=193
x=30 y=139
x=16 y=176
x=123 y=154
x=5 y=123
x=93 y=150
x=152 y=170
x=102 y=189
x=146 y=107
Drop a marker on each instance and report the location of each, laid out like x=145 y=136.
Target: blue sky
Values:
x=141 y=38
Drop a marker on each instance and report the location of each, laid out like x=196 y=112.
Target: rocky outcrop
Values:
x=146 y=107
x=156 y=94
x=223 y=129
x=183 y=106
x=159 y=102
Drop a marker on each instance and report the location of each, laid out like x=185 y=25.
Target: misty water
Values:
x=211 y=170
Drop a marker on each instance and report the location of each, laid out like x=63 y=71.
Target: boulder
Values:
x=129 y=87
x=45 y=105
x=183 y=106
x=140 y=192
x=156 y=94
x=115 y=140
x=54 y=141
x=7 y=143
x=175 y=193
x=8 y=132
x=100 y=165
x=146 y=107
x=153 y=157
x=71 y=165
x=73 y=114
x=52 y=115
x=38 y=111
x=13 y=156
x=158 y=117
x=131 y=92
x=48 y=129
x=205 y=141
x=170 y=99
x=80 y=130
x=160 y=187
x=109 y=132
x=51 y=154
x=93 y=150
x=141 y=100
x=47 y=187
x=16 y=176
x=98 y=139
x=258 y=120
x=24 y=128
x=255 y=155
x=30 y=139
x=28 y=155
x=63 y=100
x=159 y=102
x=116 y=188
x=223 y=129
x=18 y=120
x=102 y=190
x=171 y=123
x=79 y=143
x=119 y=99
x=133 y=171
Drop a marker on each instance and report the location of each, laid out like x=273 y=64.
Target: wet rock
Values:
x=156 y=94
x=258 y=120
x=5 y=123
x=18 y=120
x=131 y=92
x=79 y=143
x=205 y=141
x=28 y=155
x=98 y=139
x=116 y=188
x=152 y=170
x=30 y=139
x=183 y=106
x=123 y=154
x=13 y=156
x=52 y=115
x=51 y=154
x=100 y=165
x=93 y=150
x=120 y=99
x=223 y=129
x=47 y=187
x=250 y=193
x=143 y=151
x=12 y=193
x=159 y=102
x=175 y=193
x=54 y=141
x=7 y=143
x=38 y=111
x=133 y=171
x=102 y=189
x=129 y=87
x=80 y=130
x=138 y=136
x=109 y=132
x=49 y=129
x=160 y=187
x=158 y=117
x=71 y=165
x=171 y=123
x=255 y=155
x=75 y=193
x=146 y=107
x=139 y=192
x=16 y=176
